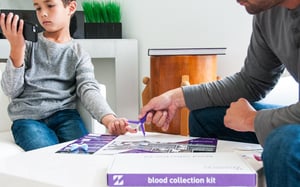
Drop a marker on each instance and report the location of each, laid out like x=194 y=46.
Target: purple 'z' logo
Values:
x=118 y=180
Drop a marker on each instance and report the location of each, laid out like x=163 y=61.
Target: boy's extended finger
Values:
x=20 y=26
x=8 y=21
x=2 y=21
x=131 y=130
x=14 y=24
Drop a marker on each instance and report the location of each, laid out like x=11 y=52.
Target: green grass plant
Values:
x=101 y=11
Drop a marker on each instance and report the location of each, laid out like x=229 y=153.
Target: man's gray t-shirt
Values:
x=275 y=45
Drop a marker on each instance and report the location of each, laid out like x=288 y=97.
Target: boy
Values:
x=45 y=78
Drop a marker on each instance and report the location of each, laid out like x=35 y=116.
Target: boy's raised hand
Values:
x=14 y=34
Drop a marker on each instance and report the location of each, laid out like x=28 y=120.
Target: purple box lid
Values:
x=181 y=180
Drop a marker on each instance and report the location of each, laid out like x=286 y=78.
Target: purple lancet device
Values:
x=140 y=123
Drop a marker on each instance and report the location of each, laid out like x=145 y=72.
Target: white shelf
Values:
x=117 y=58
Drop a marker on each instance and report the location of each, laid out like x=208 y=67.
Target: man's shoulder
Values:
x=272 y=17
x=273 y=13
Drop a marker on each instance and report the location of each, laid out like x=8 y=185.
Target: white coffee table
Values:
x=45 y=168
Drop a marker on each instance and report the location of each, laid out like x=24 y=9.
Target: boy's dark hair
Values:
x=66 y=2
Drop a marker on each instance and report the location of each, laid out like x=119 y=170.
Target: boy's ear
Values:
x=72 y=7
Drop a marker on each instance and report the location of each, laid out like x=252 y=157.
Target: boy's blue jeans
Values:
x=281 y=155
x=60 y=127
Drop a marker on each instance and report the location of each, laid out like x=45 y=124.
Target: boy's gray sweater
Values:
x=52 y=78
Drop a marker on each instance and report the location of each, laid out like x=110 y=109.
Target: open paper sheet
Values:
x=137 y=143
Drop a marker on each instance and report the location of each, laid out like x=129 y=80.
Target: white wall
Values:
x=181 y=23
x=189 y=23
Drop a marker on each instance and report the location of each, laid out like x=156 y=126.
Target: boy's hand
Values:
x=117 y=126
x=14 y=34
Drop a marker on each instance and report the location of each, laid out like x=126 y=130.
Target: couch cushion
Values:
x=8 y=146
x=284 y=93
x=5 y=122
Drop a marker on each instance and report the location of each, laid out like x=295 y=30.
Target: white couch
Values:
x=7 y=144
x=284 y=93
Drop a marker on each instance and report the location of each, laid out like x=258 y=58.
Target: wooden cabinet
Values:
x=168 y=72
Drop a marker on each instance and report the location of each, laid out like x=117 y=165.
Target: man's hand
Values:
x=240 y=116
x=163 y=108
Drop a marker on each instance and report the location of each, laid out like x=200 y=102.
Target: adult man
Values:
x=275 y=45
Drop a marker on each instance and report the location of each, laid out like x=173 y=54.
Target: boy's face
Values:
x=53 y=15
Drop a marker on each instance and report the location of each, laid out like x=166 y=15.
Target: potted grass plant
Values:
x=102 y=19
